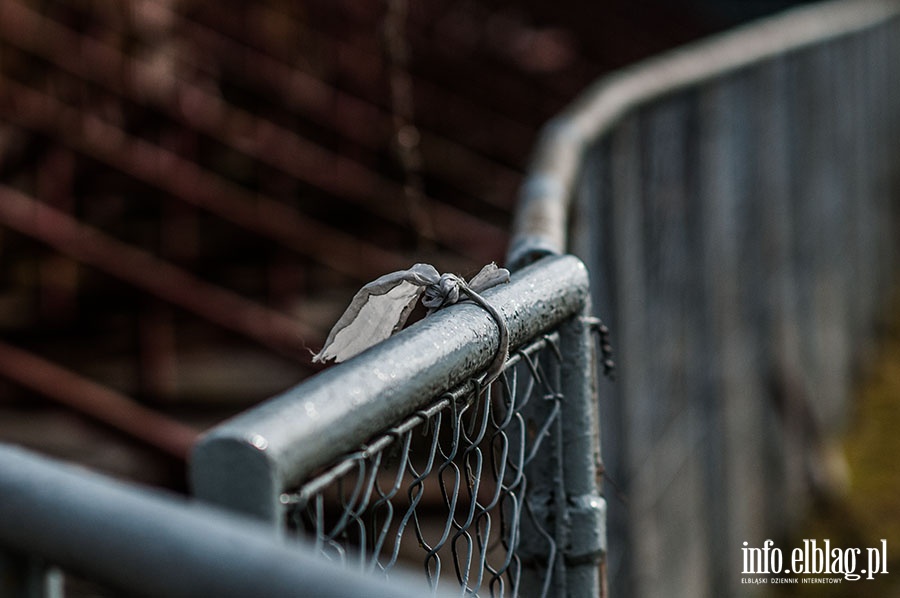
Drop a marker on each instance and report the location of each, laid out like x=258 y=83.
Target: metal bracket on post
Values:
x=586 y=515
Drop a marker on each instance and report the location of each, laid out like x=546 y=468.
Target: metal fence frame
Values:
x=149 y=543
x=250 y=462
x=734 y=201
x=600 y=148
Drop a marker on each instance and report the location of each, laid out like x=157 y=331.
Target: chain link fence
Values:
x=447 y=486
x=735 y=202
x=399 y=458
x=487 y=490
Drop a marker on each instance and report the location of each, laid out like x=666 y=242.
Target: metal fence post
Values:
x=564 y=479
x=585 y=547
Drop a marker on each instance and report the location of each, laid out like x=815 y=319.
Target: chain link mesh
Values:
x=447 y=487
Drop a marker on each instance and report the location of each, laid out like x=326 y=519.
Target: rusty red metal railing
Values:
x=97 y=402
x=279 y=332
x=273 y=145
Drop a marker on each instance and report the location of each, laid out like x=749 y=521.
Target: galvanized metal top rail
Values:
x=155 y=544
x=250 y=460
x=541 y=220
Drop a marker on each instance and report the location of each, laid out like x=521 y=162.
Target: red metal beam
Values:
x=367 y=123
x=97 y=402
x=275 y=146
x=299 y=84
x=165 y=170
x=272 y=329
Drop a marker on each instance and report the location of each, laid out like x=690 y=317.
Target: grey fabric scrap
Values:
x=381 y=307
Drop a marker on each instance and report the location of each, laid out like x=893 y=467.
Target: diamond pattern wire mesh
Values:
x=447 y=487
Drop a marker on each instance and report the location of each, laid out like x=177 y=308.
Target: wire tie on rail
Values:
x=381 y=308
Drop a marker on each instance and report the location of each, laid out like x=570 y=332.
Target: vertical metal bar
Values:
x=626 y=213
x=563 y=542
x=773 y=130
x=886 y=97
x=731 y=263
x=585 y=545
x=678 y=440
x=591 y=239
